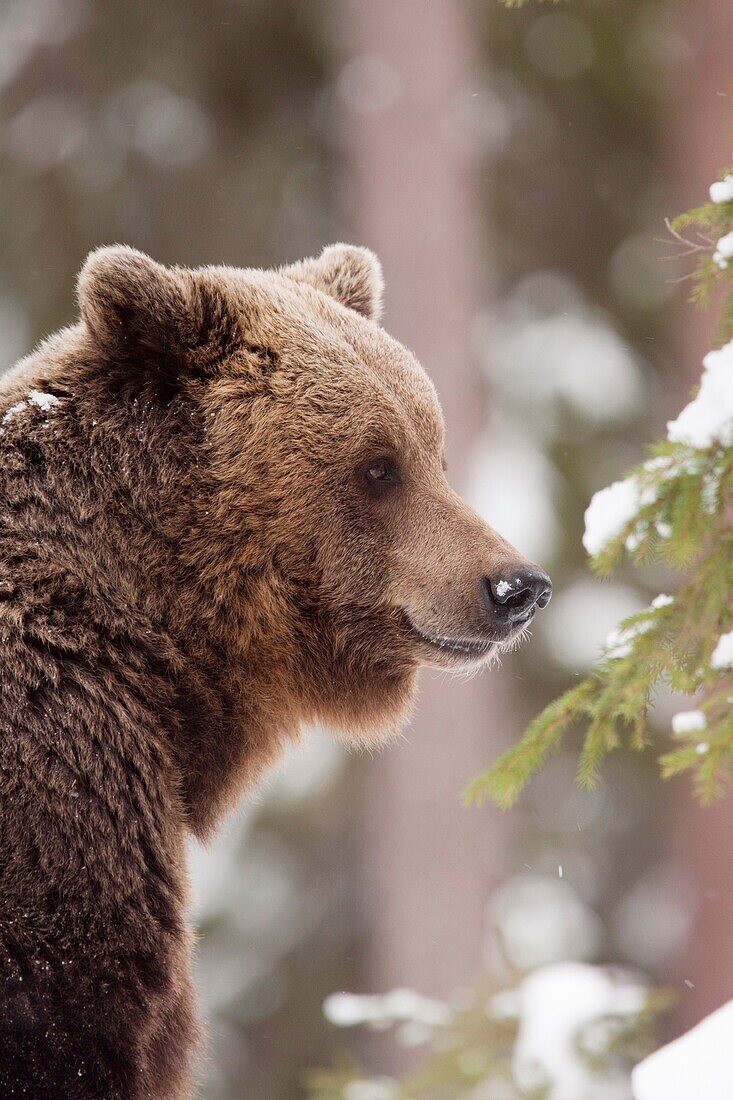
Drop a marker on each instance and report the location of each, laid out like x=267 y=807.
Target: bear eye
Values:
x=381 y=474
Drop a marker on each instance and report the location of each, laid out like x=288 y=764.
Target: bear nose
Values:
x=516 y=595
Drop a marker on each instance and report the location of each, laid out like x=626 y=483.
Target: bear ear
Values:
x=350 y=274
x=133 y=305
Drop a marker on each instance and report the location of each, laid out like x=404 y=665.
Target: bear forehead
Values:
x=334 y=352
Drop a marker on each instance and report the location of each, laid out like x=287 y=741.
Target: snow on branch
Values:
x=675 y=508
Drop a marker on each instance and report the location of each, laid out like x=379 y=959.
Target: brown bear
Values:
x=224 y=515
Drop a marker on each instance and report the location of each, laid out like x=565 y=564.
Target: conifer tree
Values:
x=676 y=508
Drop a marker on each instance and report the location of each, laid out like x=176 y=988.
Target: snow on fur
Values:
x=45 y=401
x=13 y=411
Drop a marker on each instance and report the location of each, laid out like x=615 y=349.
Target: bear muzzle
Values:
x=499 y=617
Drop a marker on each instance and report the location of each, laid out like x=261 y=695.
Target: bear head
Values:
x=321 y=526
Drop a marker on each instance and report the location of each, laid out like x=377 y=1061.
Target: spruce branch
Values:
x=682 y=517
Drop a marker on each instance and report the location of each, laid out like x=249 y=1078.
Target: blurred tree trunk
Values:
x=411 y=194
x=703 y=838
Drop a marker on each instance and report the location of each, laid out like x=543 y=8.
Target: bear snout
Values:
x=512 y=597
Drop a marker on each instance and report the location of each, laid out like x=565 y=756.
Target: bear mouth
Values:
x=470 y=651
x=464 y=648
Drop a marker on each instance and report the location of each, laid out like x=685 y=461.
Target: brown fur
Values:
x=193 y=567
